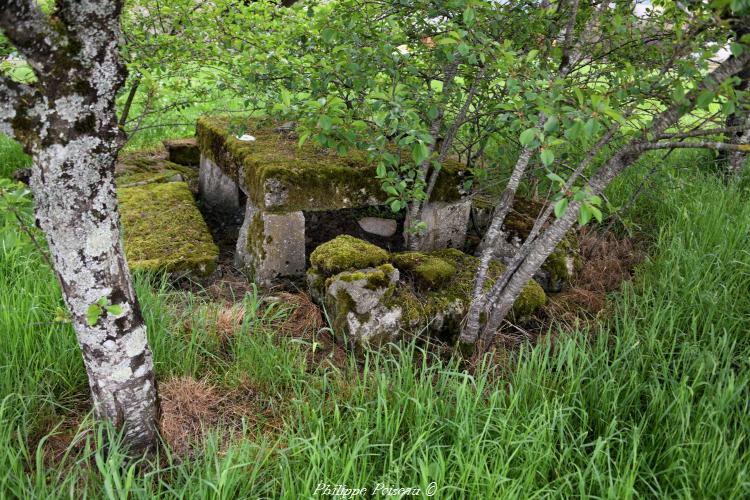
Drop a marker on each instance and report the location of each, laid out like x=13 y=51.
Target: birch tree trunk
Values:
x=67 y=122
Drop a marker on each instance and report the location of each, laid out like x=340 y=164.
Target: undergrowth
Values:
x=651 y=403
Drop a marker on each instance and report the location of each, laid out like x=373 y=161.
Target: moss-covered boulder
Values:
x=279 y=175
x=433 y=294
x=442 y=309
x=559 y=268
x=346 y=253
x=163 y=230
x=357 y=302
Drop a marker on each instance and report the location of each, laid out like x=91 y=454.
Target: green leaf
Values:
x=555 y=178
x=395 y=206
x=380 y=171
x=419 y=152
x=551 y=124
x=469 y=16
x=560 y=207
x=584 y=215
x=736 y=49
x=547 y=157
x=92 y=314
x=327 y=35
x=527 y=136
x=391 y=190
x=325 y=123
x=597 y=213
x=704 y=99
x=114 y=309
x=531 y=55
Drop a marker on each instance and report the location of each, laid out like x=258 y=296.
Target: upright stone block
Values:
x=216 y=188
x=447 y=224
x=271 y=246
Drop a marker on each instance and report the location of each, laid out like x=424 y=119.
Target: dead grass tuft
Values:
x=608 y=262
x=229 y=321
x=305 y=319
x=190 y=408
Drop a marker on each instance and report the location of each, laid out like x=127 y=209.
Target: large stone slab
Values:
x=277 y=175
x=165 y=231
x=136 y=168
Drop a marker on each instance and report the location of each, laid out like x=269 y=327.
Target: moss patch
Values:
x=276 y=174
x=151 y=165
x=164 y=230
x=428 y=271
x=346 y=253
x=451 y=301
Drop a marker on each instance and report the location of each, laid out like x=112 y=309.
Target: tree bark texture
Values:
x=67 y=122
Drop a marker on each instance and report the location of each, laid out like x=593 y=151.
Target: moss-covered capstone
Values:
x=277 y=174
x=163 y=230
x=346 y=253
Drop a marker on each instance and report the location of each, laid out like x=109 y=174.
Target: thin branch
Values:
x=719 y=146
x=699 y=133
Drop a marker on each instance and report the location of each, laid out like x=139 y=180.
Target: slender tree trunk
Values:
x=499 y=300
x=67 y=122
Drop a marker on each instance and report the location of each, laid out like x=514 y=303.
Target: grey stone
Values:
x=447 y=224
x=271 y=246
x=379 y=226
x=216 y=188
x=360 y=316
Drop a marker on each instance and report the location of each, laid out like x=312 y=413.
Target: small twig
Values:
x=23 y=226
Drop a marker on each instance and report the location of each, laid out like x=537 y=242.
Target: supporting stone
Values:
x=271 y=246
x=216 y=188
x=447 y=224
x=183 y=151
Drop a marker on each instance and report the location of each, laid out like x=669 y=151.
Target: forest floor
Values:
x=622 y=387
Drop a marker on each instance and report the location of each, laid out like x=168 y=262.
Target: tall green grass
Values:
x=653 y=404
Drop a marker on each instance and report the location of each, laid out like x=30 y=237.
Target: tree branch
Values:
x=719 y=146
x=700 y=133
x=28 y=29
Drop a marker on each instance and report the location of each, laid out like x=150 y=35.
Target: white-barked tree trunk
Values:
x=67 y=121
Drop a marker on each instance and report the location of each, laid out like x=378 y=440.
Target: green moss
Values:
x=378 y=277
x=428 y=271
x=421 y=307
x=346 y=253
x=278 y=175
x=150 y=165
x=183 y=151
x=163 y=229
